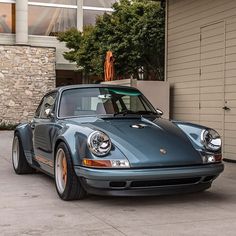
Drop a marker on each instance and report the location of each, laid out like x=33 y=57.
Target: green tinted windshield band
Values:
x=125 y=92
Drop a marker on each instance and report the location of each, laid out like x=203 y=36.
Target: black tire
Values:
x=20 y=165
x=73 y=190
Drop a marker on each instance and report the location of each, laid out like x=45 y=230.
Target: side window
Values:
x=37 y=113
x=48 y=103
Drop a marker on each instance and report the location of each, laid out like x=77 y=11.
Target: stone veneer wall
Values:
x=26 y=74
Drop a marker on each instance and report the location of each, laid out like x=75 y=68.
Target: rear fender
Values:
x=26 y=137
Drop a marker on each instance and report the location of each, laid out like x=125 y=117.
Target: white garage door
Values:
x=217 y=84
x=212 y=61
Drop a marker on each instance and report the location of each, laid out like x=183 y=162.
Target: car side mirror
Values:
x=159 y=112
x=48 y=113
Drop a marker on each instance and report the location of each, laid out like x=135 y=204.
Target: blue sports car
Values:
x=110 y=140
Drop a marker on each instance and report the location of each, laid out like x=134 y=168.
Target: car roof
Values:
x=63 y=88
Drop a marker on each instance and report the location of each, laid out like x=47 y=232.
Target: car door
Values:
x=44 y=130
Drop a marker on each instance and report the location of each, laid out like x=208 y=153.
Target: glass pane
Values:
x=48 y=103
x=50 y=20
x=7 y=18
x=67 y=2
x=99 y=3
x=89 y=16
x=97 y=101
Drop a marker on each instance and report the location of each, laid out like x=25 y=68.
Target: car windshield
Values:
x=103 y=101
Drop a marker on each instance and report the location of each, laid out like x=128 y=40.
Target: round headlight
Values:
x=99 y=143
x=211 y=140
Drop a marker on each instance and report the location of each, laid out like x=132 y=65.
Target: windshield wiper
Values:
x=147 y=112
x=124 y=112
x=129 y=112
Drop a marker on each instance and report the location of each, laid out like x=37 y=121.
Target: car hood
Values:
x=149 y=142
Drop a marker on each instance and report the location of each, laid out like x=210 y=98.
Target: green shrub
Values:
x=7 y=126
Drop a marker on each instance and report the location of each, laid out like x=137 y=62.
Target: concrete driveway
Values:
x=29 y=206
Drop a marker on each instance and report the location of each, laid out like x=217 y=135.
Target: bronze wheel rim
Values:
x=61 y=170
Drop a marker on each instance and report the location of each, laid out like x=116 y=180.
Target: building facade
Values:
x=31 y=57
x=201 y=65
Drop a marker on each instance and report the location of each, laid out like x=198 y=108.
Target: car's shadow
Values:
x=212 y=196
x=207 y=196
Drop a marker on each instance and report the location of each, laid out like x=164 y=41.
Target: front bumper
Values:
x=148 y=181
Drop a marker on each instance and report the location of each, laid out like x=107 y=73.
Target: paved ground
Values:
x=29 y=206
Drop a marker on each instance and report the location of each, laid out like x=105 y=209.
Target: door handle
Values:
x=226 y=108
x=32 y=124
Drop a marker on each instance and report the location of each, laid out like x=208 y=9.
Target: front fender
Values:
x=75 y=137
x=193 y=132
x=76 y=140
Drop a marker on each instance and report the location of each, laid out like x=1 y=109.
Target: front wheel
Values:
x=67 y=183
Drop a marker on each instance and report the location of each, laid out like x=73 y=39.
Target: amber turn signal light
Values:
x=97 y=163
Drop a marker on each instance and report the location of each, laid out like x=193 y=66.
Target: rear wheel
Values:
x=20 y=164
x=67 y=183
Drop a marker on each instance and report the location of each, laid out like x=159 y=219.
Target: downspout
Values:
x=166 y=40
x=22 y=22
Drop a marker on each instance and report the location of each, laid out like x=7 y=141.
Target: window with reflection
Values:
x=7 y=18
x=99 y=3
x=90 y=16
x=49 y=21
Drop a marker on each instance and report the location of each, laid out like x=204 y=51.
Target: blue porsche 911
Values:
x=109 y=140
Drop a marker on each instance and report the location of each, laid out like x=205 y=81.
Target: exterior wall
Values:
x=201 y=64
x=26 y=74
x=44 y=41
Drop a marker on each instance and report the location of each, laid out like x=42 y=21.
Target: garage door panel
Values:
x=230 y=133
x=230 y=88
x=231 y=104
x=185 y=97
x=230 y=65
x=230 y=126
x=208 y=117
x=211 y=111
x=211 y=124
x=212 y=68
x=189 y=110
x=230 y=73
x=210 y=104
x=212 y=75
x=229 y=155
x=230 y=50
x=229 y=141
x=212 y=40
x=211 y=32
x=211 y=97
x=230 y=148
x=212 y=47
x=230 y=80
x=230 y=119
x=230 y=96
x=212 y=54
x=187 y=117
x=190 y=91
x=217 y=82
x=212 y=89
x=186 y=104
x=211 y=61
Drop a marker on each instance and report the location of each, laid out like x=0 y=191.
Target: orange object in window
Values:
x=109 y=66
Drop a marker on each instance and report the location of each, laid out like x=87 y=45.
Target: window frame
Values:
x=41 y=105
